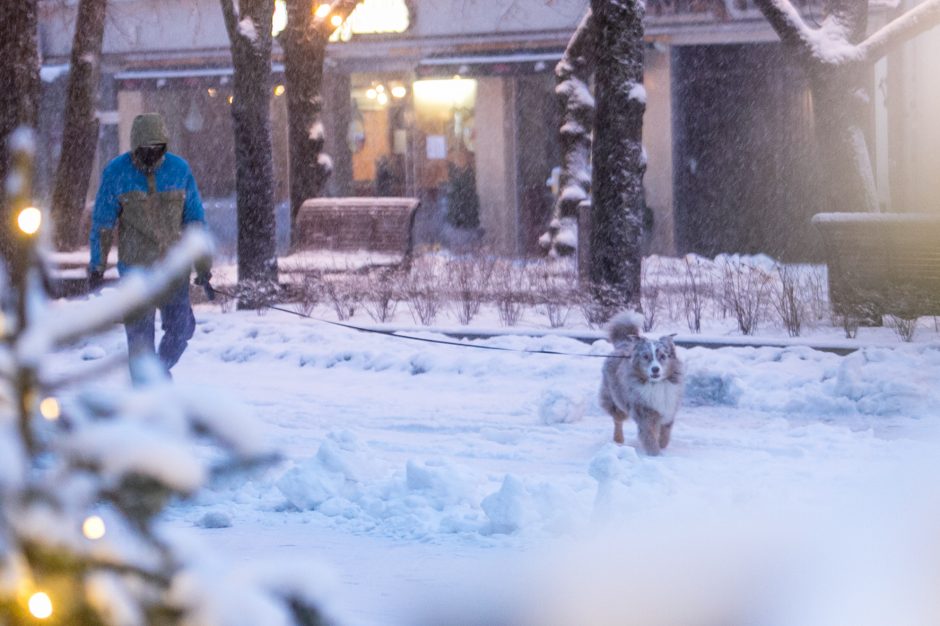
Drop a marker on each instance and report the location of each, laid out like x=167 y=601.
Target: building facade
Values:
x=453 y=102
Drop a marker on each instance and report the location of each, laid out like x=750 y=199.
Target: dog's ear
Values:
x=667 y=341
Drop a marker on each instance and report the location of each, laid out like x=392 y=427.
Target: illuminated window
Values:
x=375 y=16
x=280 y=17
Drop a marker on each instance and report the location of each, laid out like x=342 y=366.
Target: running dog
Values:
x=642 y=378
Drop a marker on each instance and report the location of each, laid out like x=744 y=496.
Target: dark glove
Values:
x=202 y=279
x=95 y=280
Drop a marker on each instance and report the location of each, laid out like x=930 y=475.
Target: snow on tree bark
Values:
x=19 y=96
x=619 y=160
x=304 y=40
x=573 y=75
x=838 y=59
x=254 y=175
x=80 y=134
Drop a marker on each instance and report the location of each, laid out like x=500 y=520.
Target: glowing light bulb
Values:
x=29 y=220
x=93 y=527
x=279 y=90
x=49 y=409
x=336 y=21
x=40 y=605
x=371 y=94
x=399 y=91
x=322 y=11
x=380 y=88
x=231 y=99
x=212 y=91
x=382 y=98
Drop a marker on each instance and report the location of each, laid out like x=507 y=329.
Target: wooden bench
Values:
x=882 y=263
x=374 y=224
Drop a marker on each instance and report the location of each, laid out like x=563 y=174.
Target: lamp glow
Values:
x=336 y=21
x=399 y=91
x=29 y=220
x=322 y=11
x=382 y=98
x=49 y=409
x=371 y=94
x=93 y=527
x=279 y=90
x=40 y=605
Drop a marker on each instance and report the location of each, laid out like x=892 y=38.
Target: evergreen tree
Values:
x=463 y=204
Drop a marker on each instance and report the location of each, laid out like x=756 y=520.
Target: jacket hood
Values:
x=147 y=129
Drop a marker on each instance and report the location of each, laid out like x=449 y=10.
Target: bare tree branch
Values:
x=914 y=22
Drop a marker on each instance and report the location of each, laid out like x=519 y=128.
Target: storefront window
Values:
x=378 y=134
x=445 y=124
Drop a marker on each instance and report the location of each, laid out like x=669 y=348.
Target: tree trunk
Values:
x=842 y=108
x=842 y=95
x=80 y=135
x=250 y=36
x=19 y=93
x=304 y=44
x=619 y=161
x=838 y=58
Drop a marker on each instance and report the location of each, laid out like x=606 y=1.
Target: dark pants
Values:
x=178 y=323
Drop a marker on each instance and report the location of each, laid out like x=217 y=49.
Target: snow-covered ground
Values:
x=445 y=484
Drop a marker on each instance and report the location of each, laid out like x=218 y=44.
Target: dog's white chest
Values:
x=663 y=397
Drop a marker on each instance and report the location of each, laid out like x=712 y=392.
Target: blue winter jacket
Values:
x=151 y=210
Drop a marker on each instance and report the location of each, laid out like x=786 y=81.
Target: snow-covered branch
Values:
x=916 y=21
x=136 y=291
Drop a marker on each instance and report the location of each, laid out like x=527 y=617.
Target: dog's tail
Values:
x=625 y=325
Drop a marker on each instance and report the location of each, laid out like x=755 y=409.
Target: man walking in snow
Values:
x=149 y=194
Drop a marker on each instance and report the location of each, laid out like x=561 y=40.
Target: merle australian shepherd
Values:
x=642 y=379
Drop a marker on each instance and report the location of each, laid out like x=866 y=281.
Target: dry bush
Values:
x=554 y=291
x=469 y=277
x=509 y=291
x=305 y=287
x=344 y=294
x=745 y=289
x=816 y=290
x=308 y=292
x=383 y=290
x=787 y=299
x=903 y=327
x=423 y=291
x=592 y=302
x=696 y=290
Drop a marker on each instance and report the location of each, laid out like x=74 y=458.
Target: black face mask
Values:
x=149 y=156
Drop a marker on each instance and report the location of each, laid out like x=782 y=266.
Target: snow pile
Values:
x=429 y=498
x=876 y=382
x=559 y=407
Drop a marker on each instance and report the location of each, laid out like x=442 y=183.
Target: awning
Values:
x=490 y=64
x=163 y=77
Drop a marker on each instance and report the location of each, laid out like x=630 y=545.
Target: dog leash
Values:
x=395 y=334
